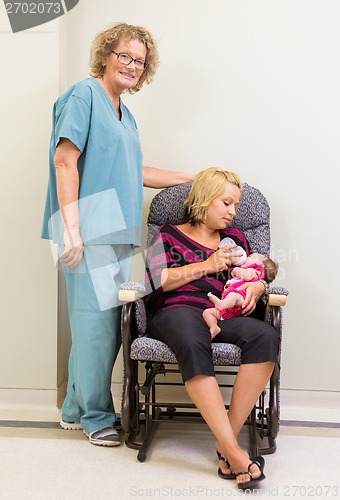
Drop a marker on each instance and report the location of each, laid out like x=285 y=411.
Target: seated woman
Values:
x=185 y=263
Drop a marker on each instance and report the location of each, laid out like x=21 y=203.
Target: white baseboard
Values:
x=29 y=405
x=42 y=405
x=310 y=406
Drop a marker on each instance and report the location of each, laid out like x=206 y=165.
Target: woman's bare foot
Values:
x=239 y=461
x=224 y=465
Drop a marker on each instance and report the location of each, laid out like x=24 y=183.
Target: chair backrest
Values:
x=253 y=215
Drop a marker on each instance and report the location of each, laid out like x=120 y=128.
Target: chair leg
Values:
x=268 y=432
x=272 y=413
x=149 y=433
x=253 y=451
x=274 y=403
x=142 y=432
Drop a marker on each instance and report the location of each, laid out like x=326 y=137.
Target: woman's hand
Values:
x=222 y=259
x=74 y=248
x=175 y=277
x=255 y=290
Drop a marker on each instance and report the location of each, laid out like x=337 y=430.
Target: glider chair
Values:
x=150 y=367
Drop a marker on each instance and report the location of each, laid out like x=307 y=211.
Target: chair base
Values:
x=141 y=437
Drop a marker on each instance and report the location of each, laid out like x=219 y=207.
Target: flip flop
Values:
x=222 y=474
x=259 y=461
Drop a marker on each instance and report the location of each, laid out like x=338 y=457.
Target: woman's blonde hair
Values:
x=206 y=186
x=107 y=40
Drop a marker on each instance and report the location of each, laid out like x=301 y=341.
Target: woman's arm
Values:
x=175 y=277
x=158 y=178
x=67 y=177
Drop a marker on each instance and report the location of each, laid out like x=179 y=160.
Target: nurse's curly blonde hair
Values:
x=107 y=40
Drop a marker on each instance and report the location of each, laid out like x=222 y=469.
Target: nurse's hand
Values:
x=74 y=248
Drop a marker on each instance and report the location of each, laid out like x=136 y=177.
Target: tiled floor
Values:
x=52 y=464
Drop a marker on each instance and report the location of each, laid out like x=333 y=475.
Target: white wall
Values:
x=251 y=87
x=28 y=330
x=248 y=86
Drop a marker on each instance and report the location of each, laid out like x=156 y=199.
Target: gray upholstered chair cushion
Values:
x=253 y=218
x=140 y=317
x=146 y=349
x=167 y=207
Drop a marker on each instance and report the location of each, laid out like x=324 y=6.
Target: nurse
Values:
x=94 y=213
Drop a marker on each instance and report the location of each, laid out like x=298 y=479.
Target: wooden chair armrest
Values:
x=276 y=300
x=129 y=291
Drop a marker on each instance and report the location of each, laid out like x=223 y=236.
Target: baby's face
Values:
x=257 y=258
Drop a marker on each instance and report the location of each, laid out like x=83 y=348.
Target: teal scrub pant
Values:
x=95 y=321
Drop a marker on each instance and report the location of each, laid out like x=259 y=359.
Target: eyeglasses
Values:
x=126 y=60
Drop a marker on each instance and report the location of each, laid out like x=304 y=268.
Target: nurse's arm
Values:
x=158 y=178
x=67 y=177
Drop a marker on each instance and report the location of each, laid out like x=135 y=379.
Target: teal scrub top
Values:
x=110 y=167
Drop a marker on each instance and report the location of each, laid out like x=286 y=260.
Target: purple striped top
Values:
x=172 y=248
